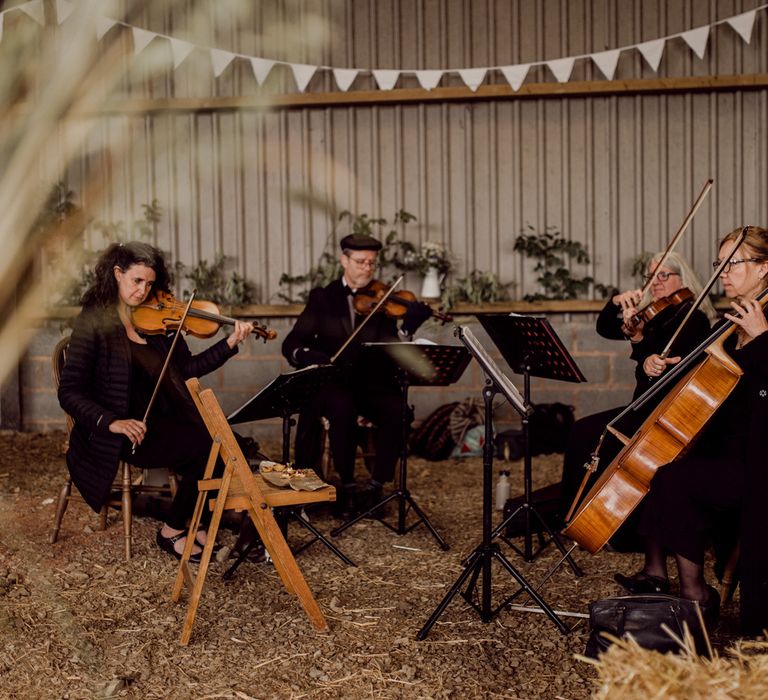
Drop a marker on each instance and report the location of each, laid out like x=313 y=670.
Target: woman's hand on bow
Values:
x=133 y=429
x=654 y=365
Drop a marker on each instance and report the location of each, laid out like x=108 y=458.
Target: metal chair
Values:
x=124 y=488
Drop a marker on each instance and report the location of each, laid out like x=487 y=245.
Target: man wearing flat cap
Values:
x=322 y=328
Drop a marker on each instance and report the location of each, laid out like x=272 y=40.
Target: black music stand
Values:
x=481 y=558
x=531 y=347
x=285 y=395
x=414 y=364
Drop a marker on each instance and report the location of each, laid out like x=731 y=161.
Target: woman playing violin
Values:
x=109 y=377
x=622 y=318
x=724 y=471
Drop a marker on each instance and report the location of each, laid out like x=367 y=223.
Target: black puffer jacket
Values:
x=95 y=390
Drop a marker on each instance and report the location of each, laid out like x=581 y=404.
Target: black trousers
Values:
x=182 y=447
x=341 y=403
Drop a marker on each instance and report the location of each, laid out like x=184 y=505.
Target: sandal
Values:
x=216 y=547
x=166 y=544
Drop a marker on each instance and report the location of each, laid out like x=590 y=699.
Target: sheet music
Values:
x=490 y=367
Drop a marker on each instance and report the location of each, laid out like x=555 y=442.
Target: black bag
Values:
x=641 y=616
x=548 y=429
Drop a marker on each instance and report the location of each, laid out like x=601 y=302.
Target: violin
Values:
x=396 y=305
x=162 y=312
x=653 y=309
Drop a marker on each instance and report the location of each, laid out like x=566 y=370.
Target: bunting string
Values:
x=561 y=68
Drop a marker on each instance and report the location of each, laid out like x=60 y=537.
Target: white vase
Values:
x=430 y=285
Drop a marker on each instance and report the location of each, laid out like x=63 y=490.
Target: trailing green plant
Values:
x=477 y=287
x=215 y=283
x=554 y=254
x=328 y=267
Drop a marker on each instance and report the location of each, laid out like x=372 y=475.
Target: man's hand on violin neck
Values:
x=240 y=333
x=133 y=429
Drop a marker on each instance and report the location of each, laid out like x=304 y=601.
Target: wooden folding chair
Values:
x=239 y=489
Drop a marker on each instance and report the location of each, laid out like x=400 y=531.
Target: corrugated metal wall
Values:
x=615 y=172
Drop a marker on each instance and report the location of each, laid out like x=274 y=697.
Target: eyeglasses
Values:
x=731 y=263
x=661 y=276
x=363 y=262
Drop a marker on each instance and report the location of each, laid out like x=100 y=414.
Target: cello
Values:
x=664 y=436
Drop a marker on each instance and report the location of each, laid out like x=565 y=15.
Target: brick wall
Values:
x=605 y=364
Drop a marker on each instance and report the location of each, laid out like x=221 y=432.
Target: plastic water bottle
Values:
x=502 y=490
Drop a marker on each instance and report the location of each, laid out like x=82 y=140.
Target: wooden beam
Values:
x=590 y=88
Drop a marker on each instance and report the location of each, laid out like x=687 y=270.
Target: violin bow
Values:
x=166 y=363
x=705 y=291
x=365 y=320
x=683 y=227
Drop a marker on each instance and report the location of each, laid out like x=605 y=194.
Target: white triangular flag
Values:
x=697 y=40
x=344 y=77
x=429 y=79
x=64 y=9
x=652 y=51
x=261 y=68
x=220 y=60
x=562 y=68
x=180 y=50
x=386 y=79
x=516 y=75
x=34 y=9
x=303 y=73
x=743 y=24
x=141 y=39
x=606 y=61
x=103 y=25
x=472 y=77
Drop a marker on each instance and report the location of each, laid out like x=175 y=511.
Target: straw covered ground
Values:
x=78 y=621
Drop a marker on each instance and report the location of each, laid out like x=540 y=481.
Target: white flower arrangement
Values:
x=428 y=254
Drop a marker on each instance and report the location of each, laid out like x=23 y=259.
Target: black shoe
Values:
x=368 y=496
x=166 y=544
x=710 y=608
x=642 y=583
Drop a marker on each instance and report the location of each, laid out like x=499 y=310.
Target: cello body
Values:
x=664 y=436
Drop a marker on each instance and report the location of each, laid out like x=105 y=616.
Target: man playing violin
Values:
x=622 y=319
x=724 y=472
x=109 y=377
x=322 y=328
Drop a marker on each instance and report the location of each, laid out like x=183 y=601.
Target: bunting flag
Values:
x=515 y=75
x=561 y=68
x=141 y=39
x=386 y=79
x=428 y=79
x=34 y=9
x=742 y=24
x=697 y=40
x=261 y=68
x=606 y=61
x=652 y=51
x=344 y=77
x=220 y=60
x=303 y=73
x=64 y=9
x=180 y=50
x=473 y=77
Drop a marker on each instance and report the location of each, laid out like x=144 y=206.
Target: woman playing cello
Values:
x=621 y=320
x=109 y=376
x=724 y=470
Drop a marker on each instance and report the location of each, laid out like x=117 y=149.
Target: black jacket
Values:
x=656 y=334
x=95 y=391
x=325 y=325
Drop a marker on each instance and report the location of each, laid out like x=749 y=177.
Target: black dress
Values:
x=586 y=432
